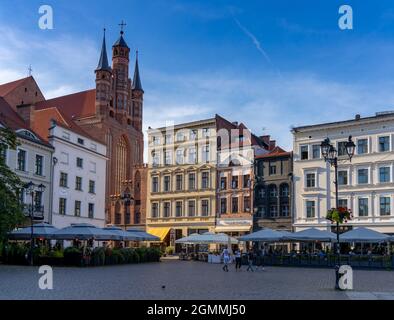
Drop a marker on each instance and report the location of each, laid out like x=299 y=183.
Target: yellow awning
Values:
x=159 y=232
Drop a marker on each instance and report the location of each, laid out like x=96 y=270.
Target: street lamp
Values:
x=32 y=189
x=330 y=155
x=127 y=200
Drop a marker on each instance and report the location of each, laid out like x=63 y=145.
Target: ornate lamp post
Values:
x=32 y=189
x=127 y=200
x=330 y=155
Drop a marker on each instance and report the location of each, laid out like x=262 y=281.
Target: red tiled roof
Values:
x=42 y=122
x=6 y=88
x=76 y=105
x=276 y=152
x=9 y=118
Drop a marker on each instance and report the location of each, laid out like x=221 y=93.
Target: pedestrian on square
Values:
x=238 y=260
x=226 y=259
x=250 y=261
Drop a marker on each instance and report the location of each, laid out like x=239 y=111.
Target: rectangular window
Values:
x=92 y=186
x=91 y=210
x=155 y=184
x=342 y=148
x=79 y=163
x=310 y=180
x=310 y=209
x=167 y=183
x=77 y=208
x=156 y=141
x=38 y=201
x=168 y=138
x=39 y=165
x=205 y=153
x=205 y=180
x=63 y=180
x=362 y=176
x=155 y=210
x=78 y=183
x=246 y=204
x=316 y=151
x=246 y=181
x=304 y=153
x=155 y=158
x=223 y=183
x=385 y=206
x=64 y=158
x=80 y=141
x=205 y=208
x=178 y=209
x=193 y=134
x=180 y=136
x=272 y=169
x=205 y=132
x=363 y=207
x=21 y=160
x=62 y=206
x=342 y=203
x=342 y=178
x=167 y=158
x=223 y=205
x=166 y=210
x=384 y=174
x=234 y=182
x=179 y=157
x=191 y=208
x=192 y=155
x=3 y=153
x=362 y=146
x=179 y=182
x=234 y=204
x=192 y=181
x=384 y=144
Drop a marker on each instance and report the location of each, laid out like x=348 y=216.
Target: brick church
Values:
x=111 y=113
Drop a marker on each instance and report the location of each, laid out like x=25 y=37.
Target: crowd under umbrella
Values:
x=189 y=239
x=40 y=230
x=124 y=235
x=266 y=235
x=364 y=235
x=85 y=231
x=142 y=235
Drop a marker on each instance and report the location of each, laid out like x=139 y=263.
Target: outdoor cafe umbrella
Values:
x=40 y=230
x=125 y=236
x=312 y=234
x=189 y=239
x=266 y=235
x=220 y=238
x=362 y=234
x=84 y=231
x=142 y=235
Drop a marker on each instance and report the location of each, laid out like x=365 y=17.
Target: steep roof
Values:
x=120 y=42
x=6 y=88
x=9 y=118
x=76 y=105
x=103 y=62
x=137 y=80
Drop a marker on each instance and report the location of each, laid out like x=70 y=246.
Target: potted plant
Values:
x=339 y=215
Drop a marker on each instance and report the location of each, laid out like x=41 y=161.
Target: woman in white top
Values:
x=226 y=259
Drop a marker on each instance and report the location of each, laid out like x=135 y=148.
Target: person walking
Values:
x=226 y=259
x=238 y=260
x=250 y=261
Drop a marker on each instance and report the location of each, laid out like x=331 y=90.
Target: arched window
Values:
x=121 y=164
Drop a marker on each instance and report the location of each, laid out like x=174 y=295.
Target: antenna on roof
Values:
x=30 y=70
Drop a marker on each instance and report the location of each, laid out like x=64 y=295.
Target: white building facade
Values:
x=79 y=178
x=366 y=184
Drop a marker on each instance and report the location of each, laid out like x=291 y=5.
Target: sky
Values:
x=271 y=64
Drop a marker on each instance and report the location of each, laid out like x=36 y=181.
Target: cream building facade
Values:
x=366 y=184
x=181 y=197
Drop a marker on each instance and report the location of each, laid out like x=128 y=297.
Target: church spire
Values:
x=103 y=62
x=137 y=80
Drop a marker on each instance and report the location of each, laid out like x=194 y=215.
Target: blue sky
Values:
x=270 y=64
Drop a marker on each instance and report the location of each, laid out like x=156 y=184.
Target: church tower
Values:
x=137 y=97
x=121 y=82
x=103 y=82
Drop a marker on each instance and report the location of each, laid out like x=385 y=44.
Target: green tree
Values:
x=11 y=213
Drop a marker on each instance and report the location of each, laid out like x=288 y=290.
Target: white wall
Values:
x=324 y=192
x=67 y=149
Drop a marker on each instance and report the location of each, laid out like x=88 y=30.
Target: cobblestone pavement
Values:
x=190 y=280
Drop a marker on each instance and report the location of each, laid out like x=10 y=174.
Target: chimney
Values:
x=26 y=112
x=357 y=117
x=266 y=139
x=272 y=144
